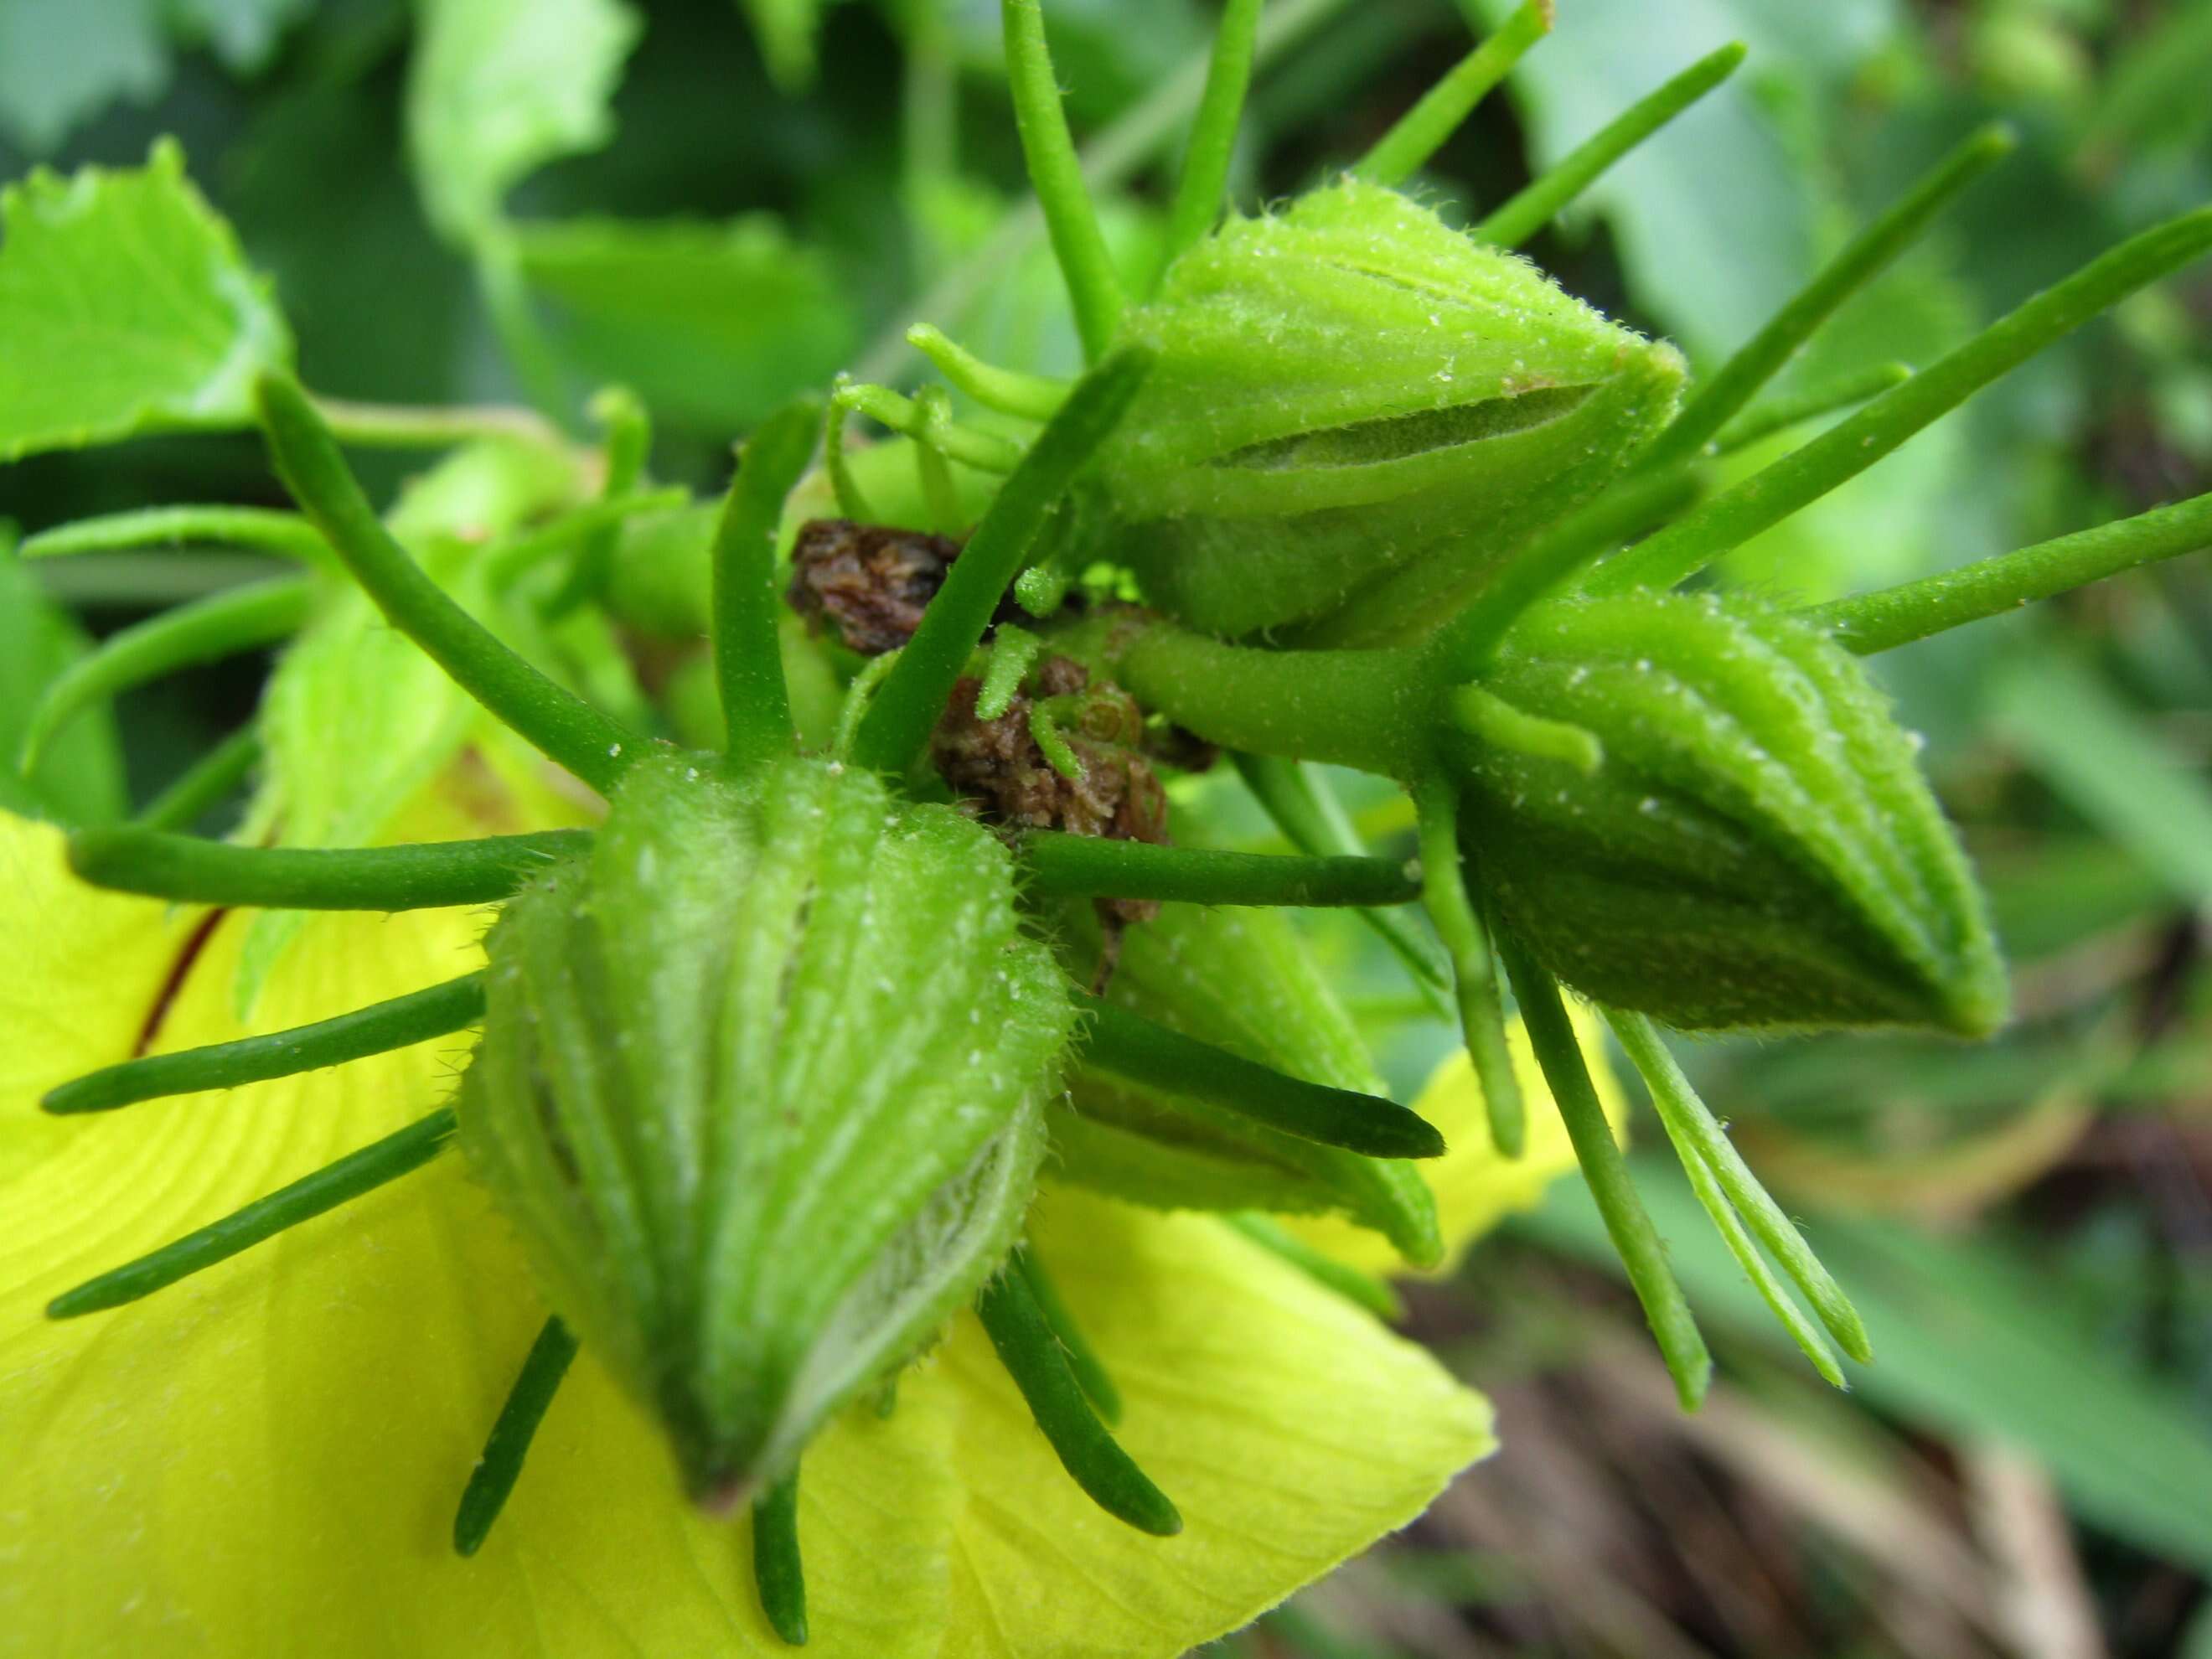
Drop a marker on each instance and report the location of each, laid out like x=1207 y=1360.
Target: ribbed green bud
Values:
x=1358 y=412
x=762 y=1087
x=1756 y=847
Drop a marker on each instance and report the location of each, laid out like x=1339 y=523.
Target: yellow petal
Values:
x=1290 y=1428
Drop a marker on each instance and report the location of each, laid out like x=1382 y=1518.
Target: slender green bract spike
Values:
x=1422 y=130
x=204 y=782
x=1699 y=1138
x=1851 y=445
x=1890 y=616
x=1014 y=651
x=1776 y=414
x=1070 y=219
x=1032 y=396
x=333 y=1184
x=1090 y=1372
x=851 y=502
x=1360 y=1289
x=206 y=630
x=1712 y=405
x=1038 y=1364
x=382 y=1026
x=858 y=695
x=1487 y=716
x=1459 y=923
x=1094 y=866
x=987 y=451
x=1052 y=743
x=289 y=535
x=425 y=875
x=1142 y=1051
x=569 y=730
x=906 y=707
x=748 y=661
x=1531 y=211
x=1552 y=1036
x=599 y=520
x=937 y=489
x=778 y=1573
x=493 y=1479
x=1203 y=184
x=628 y=442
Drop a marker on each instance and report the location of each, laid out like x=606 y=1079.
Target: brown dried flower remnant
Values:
x=871 y=581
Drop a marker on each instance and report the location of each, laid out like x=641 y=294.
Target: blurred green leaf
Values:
x=786 y=31
x=80 y=777
x=126 y=307
x=63 y=61
x=242 y=33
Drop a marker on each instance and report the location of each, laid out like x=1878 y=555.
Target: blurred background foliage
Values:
x=720 y=204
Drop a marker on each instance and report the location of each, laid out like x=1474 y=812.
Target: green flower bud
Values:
x=1756 y=847
x=1356 y=413
x=762 y=1087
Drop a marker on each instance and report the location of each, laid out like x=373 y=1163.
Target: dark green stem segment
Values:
x=569 y=730
x=748 y=662
x=1142 y=1051
x=1038 y=1364
x=778 y=1573
x=1203 y=184
x=913 y=696
x=493 y=1479
x=1531 y=211
x=435 y=1011
x=1081 y=1358
x=1459 y=923
x=1851 y=445
x=1324 y=1269
x=1768 y=351
x=1891 y=616
x=1552 y=1035
x=1056 y=173
x=1421 y=131
x=206 y=782
x=1092 y=866
x=420 y=875
x=333 y=1184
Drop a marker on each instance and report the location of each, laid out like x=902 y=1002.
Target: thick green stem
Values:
x=779 y=1569
x=426 y=875
x=1090 y=867
x=1422 y=130
x=287 y=535
x=1097 y=1383
x=1531 y=209
x=492 y=1481
x=1474 y=967
x=203 y=783
x=748 y=659
x=1204 y=183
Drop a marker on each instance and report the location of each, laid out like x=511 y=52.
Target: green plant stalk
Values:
x=1090 y=1372
x=1033 y=396
x=1362 y=1290
x=1848 y=448
x=287 y=535
x=1764 y=420
x=748 y=662
x=1092 y=867
x=1202 y=187
x=203 y=783
x=987 y=451
x=1534 y=207
x=1419 y=133
x=492 y=1481
x=426 y=875
x=1474 y=967
x=509 y=559
x=779 y=1570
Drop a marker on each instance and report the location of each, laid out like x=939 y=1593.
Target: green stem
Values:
x=287 y=535
x=506 y=293
x=1422 y=130
x=1766 y=354
x=779 y=1570
x=334 y=1184
x=1890 y=616
x=987 y=451
x=851 y=502
x=1090 y=1372
x=1474 y=966
x=203 y=783
x=1552 y=1035
x=401 y=426
x=1354 y=1286
x=1140 y=1050
x=1087 y=1450
x=629 y=443
x=1848 y=448
x=1070 y=219
x=426 y=875
x=510 y=559
x=569 y=730
x=1203 y=185
x=1531 y=211
x=906 y=707
x=206 y=630
x=492 y=1481
x=748 y=661
x=1095 y=867
x=1032 y=396
x=400 y=1022
x=1763 y=419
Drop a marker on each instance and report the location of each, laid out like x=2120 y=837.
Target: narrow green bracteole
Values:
x=289 y=535
x=333 y=1184
x=492 y=1481
x=748 y=662
x=206 y=630
x=1489 y=719
x=1070 y=219
x=1848 y=448
x=779 y=1572
x=1362 y=1290
x=1014 y=651
x=1531 y=208
x=1203 y=184
x=844 y=488
x=569 y=730
x=628 y=444
x=1034 y=1358
x=1460 y=923
x=938 y=490
x=511 y=560
x=912 y=696
x=987 y=451
x=1132 y=1046
x=1764 y=420
x=203 y=783
x=1634 y=1238
x=435 y=1011
x=1764 y=356
x=1032 y=396
x=1890 y=616
x=421 y=876
x=1093 y=866
x=1098 y=1383
x=1422 y=130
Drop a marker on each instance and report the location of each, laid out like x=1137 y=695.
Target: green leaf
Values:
x=63 y=61
x=713 y=324
x=80 y=776
x=126 y=307
x=498 y=89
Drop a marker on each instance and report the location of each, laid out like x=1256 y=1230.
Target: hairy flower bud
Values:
x=1757 y=846
x=762 y=1086
x=1358 y=411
